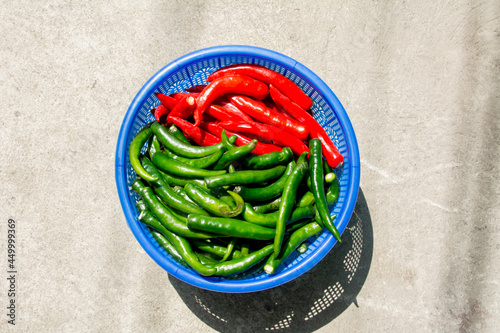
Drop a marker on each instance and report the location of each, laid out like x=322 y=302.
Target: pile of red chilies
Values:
x=251 y=102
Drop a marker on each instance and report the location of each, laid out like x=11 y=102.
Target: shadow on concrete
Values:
x=302 y=305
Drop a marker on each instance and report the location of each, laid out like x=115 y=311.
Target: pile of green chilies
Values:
x=224 y=211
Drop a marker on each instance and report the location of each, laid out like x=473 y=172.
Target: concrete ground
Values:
x=420 y=83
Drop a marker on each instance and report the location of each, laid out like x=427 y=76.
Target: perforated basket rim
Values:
x=215 y=283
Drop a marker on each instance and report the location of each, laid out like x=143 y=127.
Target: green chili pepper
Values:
x=181 y=192
x=268 y=207
x=154 y=146
x=227 y=198
x=242 y=264
x=134 y=152
x=287 y=203
x=225 y=140
x=326 y=167
x=206 y=259
x=177 y=168
x=229 y=227
x=181 y=216
x=180 y=181
x=175 y=131
x=166 y=194
x=297 y=238
x=267 y=192
x=302 y=158
x=234 y=154
x=168 y=247
x=244 y=177
x=317 y=184
x=184 y=249
x=255 y=269
x=270 y=160
x=318 y=219
x=306 y=200
x=151 y=221
x=297 y=225
x=180 y=244
x=214 y=249
x=245 y=247
x=141 y=206
x=201 y=163
x=332 y=195
x=180 y=147
x=230 y=248
x=213 y=204
x=302 y=248
x=269 y=220
x=164 y=214
x=330 y=177
x=333 y=192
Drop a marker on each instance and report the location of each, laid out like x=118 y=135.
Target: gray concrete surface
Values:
x=420 y=82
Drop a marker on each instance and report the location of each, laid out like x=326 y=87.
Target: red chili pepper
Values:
x=271 y=105
x=195 y=133
x=160 y=113
x=167 y=101
x=196 y=88
x=241 y=140
x=233 y=109
x=276 y=135
x=183 y=109
x=331 y=153
x=287 y=86
x=239 y=84
x=249 y=136
x=222 y=114
x=180 y=95
x=259 y=111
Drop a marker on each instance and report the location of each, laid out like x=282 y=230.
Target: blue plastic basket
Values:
x=193 y=69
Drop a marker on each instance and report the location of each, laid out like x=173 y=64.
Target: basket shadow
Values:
x=305 y=304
